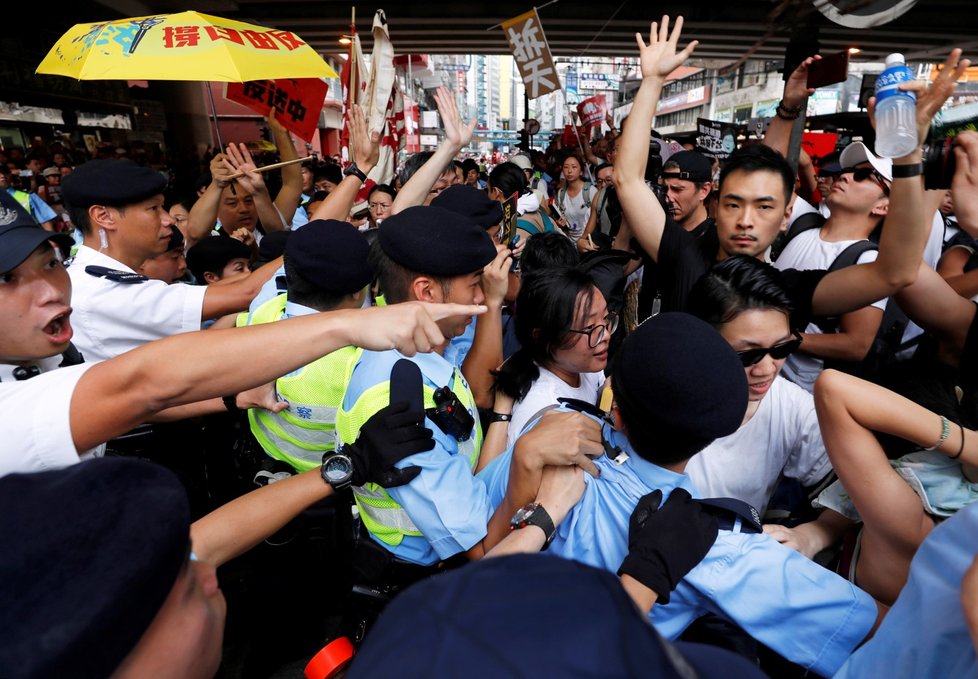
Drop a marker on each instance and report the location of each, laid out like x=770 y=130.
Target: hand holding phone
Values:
x=830 y=69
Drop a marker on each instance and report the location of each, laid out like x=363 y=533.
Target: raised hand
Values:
x=366 y=145
x=659 y=57
x=457 y=132
x=238 y=159
x=796 y=89
x=562 y=439
x=220 y=172
x=495 y=276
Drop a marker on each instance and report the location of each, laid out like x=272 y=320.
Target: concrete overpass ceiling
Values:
x=727 y=31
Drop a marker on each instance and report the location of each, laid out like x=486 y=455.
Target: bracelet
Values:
x=945 y=430
x=907 y=171
x=787 y=112
x=961 y=449
x=789 y=109
x=500 y=417
x=229 y=403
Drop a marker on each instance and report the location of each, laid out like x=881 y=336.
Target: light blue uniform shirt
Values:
x=445 y=501
x=924 y=634
x=458 y=347
x=806 y=613
x=269 y=290
x=301 y=216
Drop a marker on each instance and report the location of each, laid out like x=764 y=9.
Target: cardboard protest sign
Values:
x=532 y=54
x=716 y=139
x=592 y=111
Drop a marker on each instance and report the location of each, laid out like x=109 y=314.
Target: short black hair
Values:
x=759 y=158
x=509 y=179
x=302 y=291
x=212 y=254
x=383 y=188
x=737 y=284
x=395 y=279
x=547 y=250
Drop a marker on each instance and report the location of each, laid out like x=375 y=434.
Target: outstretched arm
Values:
x=366 y=151
x=486 y=352
x=290 y=195
x=641 y=207
x=907 y=225
x=457 y=136
x=795 y=97
x=203 y=214
x=201 y=365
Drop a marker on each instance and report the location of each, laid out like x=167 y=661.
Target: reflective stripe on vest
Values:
x=24 y=199
x=381 y=515
x=301 y=434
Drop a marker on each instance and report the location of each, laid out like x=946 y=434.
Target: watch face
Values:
x=337 y=469
x=523 y=513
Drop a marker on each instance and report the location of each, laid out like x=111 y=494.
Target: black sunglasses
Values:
x=861 y=174
x=750 y=357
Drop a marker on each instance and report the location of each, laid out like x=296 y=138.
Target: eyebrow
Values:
x=760 y=199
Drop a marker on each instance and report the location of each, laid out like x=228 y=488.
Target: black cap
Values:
x=213 y=254
x=88 y=555
x=332 y=255
x=470 y=202
x=111 y=182
x=20 y=234
x=520 y=616
x=678 y=369
x=272 y=245
x=693 y=167
x=436 y=241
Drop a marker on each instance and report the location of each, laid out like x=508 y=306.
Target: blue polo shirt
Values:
x=806 y=613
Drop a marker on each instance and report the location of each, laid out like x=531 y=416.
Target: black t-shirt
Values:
x=684 y=258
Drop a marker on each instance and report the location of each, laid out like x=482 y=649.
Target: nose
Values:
x=168 y=219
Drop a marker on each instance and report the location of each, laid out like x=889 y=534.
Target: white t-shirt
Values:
x=576 y=213
x=35 y=427
x=807 y=250
x=545 y=392
x=782 y=437
x=110 y=318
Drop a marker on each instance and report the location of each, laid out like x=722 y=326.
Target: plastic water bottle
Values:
x=896 y=110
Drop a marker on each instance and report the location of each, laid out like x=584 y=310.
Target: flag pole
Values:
x=352 y=85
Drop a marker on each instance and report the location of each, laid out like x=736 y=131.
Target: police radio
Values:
x=450 y=415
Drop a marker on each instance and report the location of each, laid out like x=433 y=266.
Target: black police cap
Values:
x=436 y=241
x=470 y=202
x=111 y=182
x=678 y=369
x=330 y=254
x=88 y=555
x=20 y=234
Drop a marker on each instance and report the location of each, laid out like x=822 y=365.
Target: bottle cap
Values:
x=894 y=59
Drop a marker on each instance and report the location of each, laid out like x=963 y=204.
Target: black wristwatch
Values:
x=337 y=470
x=533 y=514
x=353 y=171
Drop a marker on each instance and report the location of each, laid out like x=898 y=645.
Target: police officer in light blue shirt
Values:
x=678 y=385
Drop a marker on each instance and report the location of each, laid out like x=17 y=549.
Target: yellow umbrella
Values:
x=183 y=46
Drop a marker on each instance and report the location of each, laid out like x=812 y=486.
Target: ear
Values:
x=617 y=419
x=787 y=215
x=881 y=208
x=211 y=277
x=425 y=289
x=705 y=190
x=101 y=217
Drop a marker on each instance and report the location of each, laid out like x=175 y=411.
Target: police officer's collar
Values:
x=435 y=367
x=292 y=309
x=10 y=372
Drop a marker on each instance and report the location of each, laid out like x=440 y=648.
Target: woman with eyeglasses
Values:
x=744 y=299
x=564 y=328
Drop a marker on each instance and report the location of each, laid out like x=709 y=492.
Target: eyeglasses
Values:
x=861 y=174
x=597 y=332
x=604 y=182
x=380 y=207
x=751 y=357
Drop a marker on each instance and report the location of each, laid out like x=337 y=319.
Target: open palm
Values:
x=659 y=57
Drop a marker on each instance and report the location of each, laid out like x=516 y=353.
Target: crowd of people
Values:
x=748 y=389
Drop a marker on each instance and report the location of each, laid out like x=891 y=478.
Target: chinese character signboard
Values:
x=716 y=139
x=592 y=111
x=599 y=81
x=297 y=102
x=532 y=54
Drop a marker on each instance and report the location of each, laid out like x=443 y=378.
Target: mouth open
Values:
x=59 y=329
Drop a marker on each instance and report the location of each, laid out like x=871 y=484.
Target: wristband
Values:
x=907 y=171
x=961 y=449
x=500 y=417
x=229 y=403
x=945 y=430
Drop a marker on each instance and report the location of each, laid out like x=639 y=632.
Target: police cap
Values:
x=678 y=369
x=111 y=182
x=436 y=241
x=330 y=254
x=470 y=202
x=20 y=234
x=88 y=555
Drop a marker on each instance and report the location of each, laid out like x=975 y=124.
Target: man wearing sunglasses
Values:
x=858 y=202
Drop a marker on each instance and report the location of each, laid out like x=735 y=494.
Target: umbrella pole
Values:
x=217 y=127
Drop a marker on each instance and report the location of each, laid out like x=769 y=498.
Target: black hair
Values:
x=602 y=166
x=651 y=437
x=383 y=188
x=212 y=254
x=547 y=250
x=760 y=158
x=395 y=280
x=306 y=293
x=737 y=284
x=509 y=179
x=468 y=165
x=329 y=172
x=319 y=196
x=546 y=308
x=186 y=202
x=413 y=164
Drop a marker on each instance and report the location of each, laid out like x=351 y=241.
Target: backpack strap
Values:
x=847 y=257
x=807 y=222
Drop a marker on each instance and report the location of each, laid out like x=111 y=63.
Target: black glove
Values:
x=665 y=543
x=390 y=435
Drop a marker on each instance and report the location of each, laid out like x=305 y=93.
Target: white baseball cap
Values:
x=857 y=152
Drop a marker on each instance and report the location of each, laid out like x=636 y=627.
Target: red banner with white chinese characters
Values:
x=592 y=111
x=297 y=102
